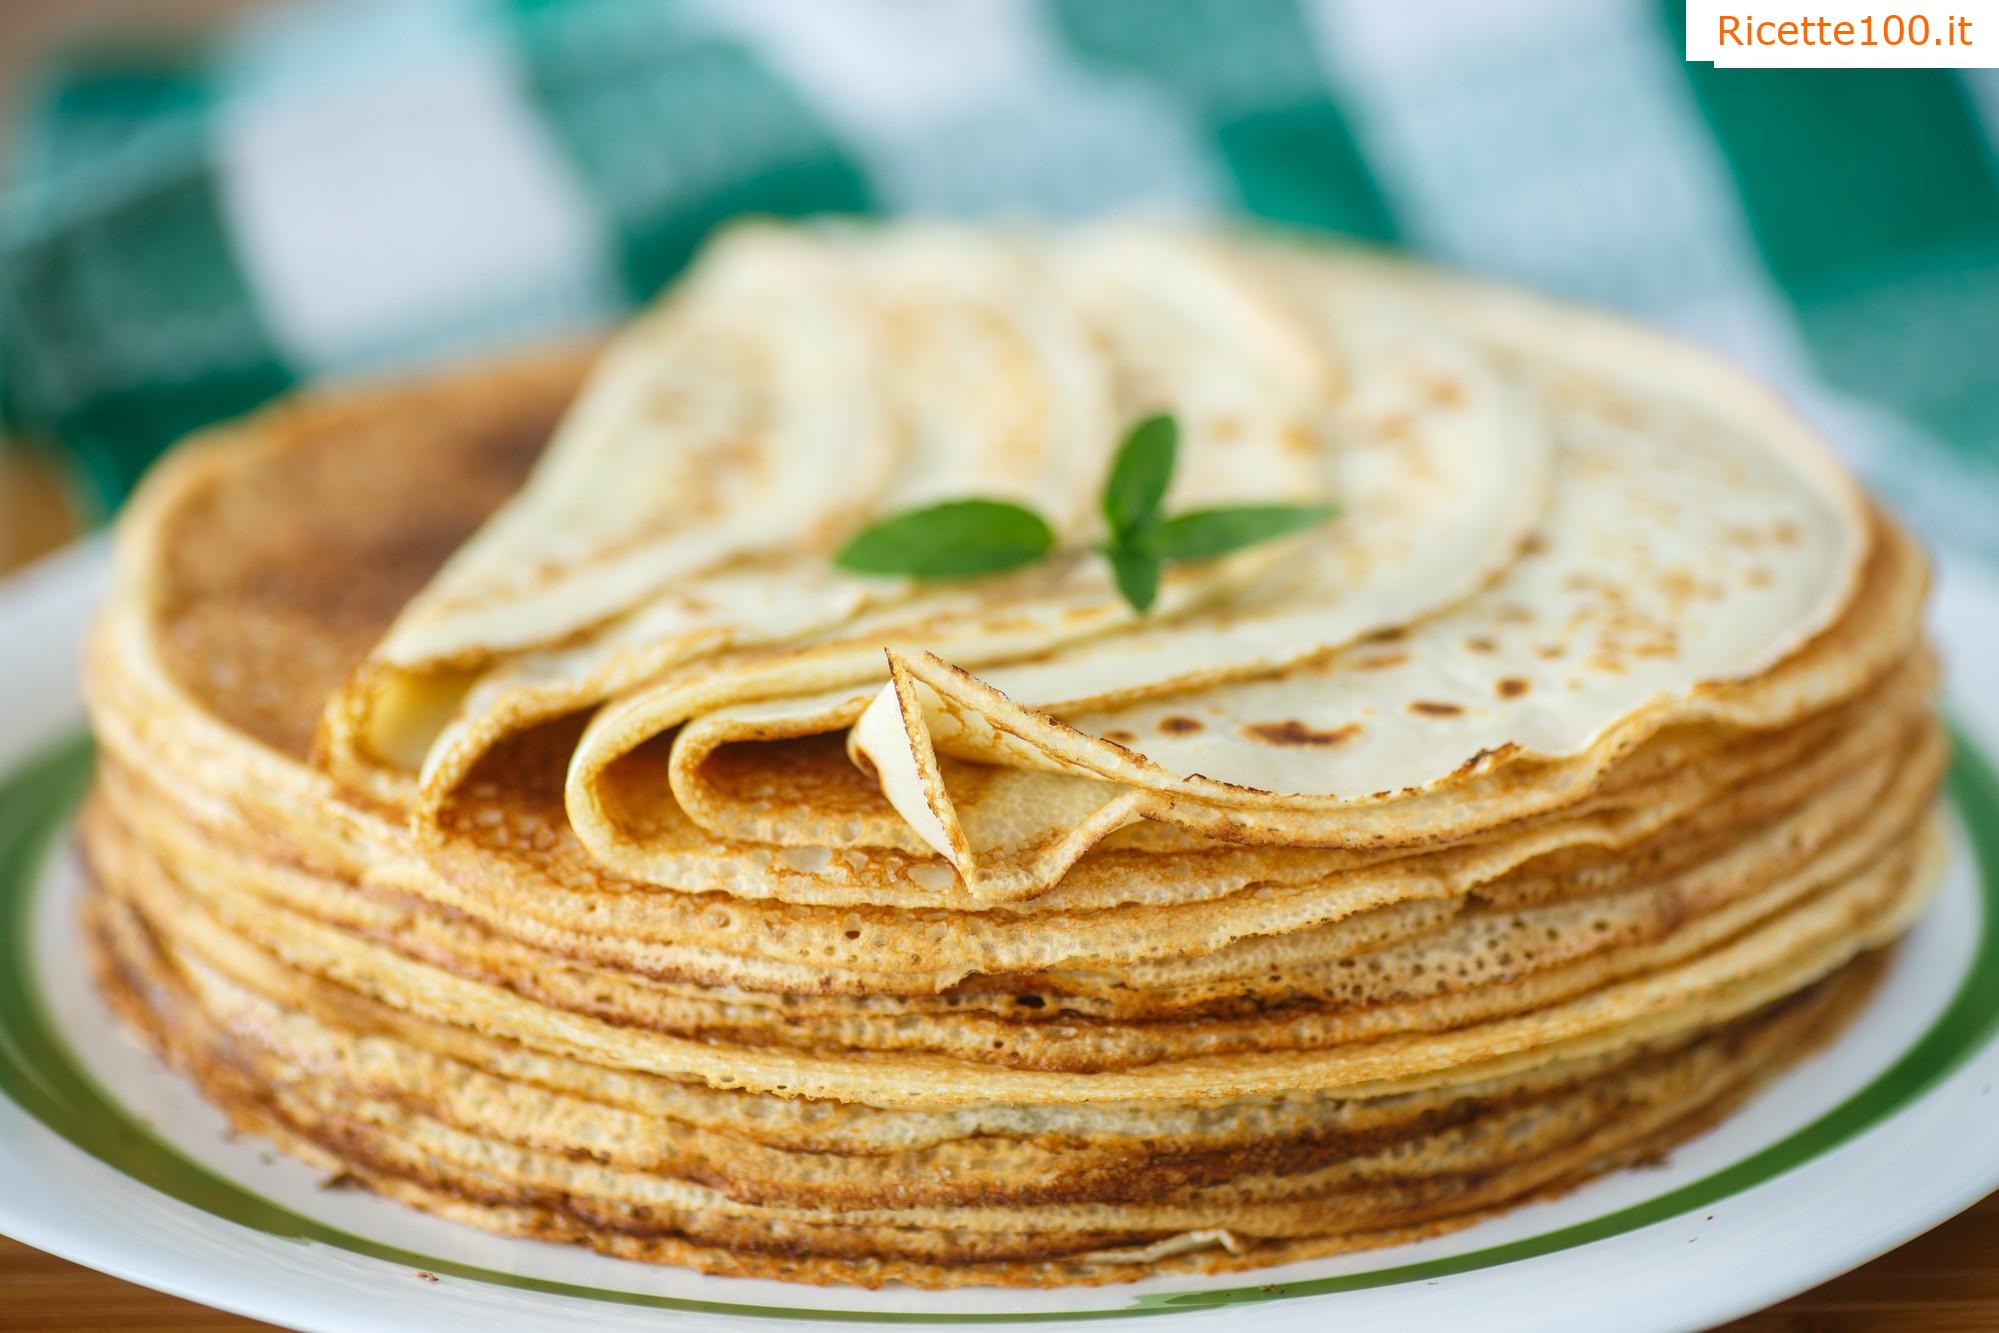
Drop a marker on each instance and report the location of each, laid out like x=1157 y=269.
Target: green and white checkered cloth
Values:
x=337 y=187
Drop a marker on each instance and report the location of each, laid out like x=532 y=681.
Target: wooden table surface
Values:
x=1945 y=1282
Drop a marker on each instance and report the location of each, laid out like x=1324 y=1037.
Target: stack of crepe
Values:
x=506 y=804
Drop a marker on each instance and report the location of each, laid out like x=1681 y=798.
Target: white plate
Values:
x=108 y=1159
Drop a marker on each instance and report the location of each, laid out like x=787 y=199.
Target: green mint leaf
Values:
x=1139 y=476
x=953 y=540
x=1137 y=574
x=1200 y=534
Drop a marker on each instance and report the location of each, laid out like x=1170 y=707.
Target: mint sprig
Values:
x=1137 y=574
x=953 y=540
x=1139 y=476
x=1202 y=534
x=967 y=538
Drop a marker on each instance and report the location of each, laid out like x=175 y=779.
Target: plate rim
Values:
x=1974 y=794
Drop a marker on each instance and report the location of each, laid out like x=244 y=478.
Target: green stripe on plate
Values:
x=1248 y=69
x=675 y=130
x=42 y=1075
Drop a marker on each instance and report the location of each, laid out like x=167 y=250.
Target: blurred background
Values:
x=206 y=203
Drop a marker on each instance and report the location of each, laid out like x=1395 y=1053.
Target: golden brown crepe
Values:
x=520 y=866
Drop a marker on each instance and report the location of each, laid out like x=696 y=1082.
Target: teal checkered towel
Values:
x=341 y=186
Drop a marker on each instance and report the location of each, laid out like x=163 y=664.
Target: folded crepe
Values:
x=554 y=838
x=1608 y=522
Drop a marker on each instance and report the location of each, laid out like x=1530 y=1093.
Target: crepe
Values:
x=490 y=824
